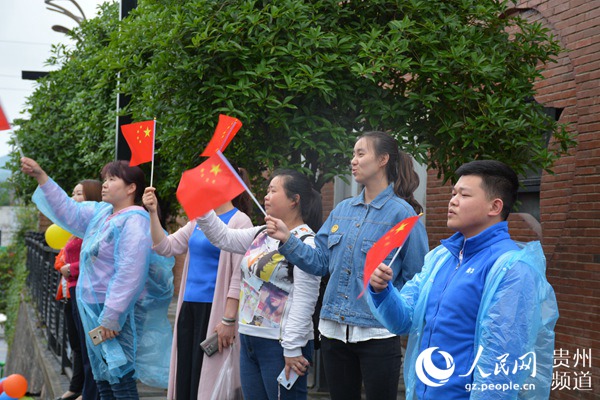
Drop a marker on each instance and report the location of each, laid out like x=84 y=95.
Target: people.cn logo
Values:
x=428 y=373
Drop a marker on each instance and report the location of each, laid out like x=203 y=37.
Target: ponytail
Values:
x=407 y=181
x=399 y=169
x=312 y=211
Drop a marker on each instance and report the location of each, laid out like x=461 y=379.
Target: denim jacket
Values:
x=342 y=244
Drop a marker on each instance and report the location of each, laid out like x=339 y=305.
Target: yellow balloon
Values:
x=56 y=237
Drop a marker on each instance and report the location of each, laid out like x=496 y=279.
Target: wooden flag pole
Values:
x=17 y=144
x=256 y=201
x=153 y=143
x=241 y=181
x=398 y=251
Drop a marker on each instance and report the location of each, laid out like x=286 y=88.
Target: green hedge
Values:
x=451 y=79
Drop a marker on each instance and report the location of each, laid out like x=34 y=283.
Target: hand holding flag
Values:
x=395 y=237
x=224 y=133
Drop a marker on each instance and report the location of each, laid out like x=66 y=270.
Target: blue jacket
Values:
x=342 y=244
x=474 y=314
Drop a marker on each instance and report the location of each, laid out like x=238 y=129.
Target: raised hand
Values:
x=30 y=167
x=149 y=200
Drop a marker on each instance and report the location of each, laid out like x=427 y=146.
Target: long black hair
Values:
x=399 y=168
x=311 y=207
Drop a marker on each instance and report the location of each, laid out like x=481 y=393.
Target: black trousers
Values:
x=76 y=384
x=90 y=390
x=192 y=324
x=375 y=362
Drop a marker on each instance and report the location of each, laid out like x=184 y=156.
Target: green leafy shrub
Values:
x=451 y=79
x=13 y=272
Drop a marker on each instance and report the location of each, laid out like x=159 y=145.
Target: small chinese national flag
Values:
x=140 y=138
x=395 y=237
x=209 y=185
x=225 y=131
x=4 y=125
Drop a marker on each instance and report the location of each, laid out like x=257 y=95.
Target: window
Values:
x=528 y=198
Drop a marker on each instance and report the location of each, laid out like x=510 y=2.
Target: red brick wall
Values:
x=569 y=199
x=523 y=227
x=327 y=198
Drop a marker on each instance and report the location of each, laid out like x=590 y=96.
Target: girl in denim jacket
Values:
x=356 y=348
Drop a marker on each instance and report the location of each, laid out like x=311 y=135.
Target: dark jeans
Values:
x=126 y=388
x=192 y=324
x=76 y=383
x=375 y=362
x=261 y=362
x=90 y=390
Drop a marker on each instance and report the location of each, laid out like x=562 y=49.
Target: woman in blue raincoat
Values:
x=124 y=289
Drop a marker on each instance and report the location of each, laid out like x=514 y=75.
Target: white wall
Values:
x=8 y=224
x=342 y=191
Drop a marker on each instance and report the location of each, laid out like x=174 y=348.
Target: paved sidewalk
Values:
x=314 y=394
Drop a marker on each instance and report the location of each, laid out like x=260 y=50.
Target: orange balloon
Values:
x=15 y=385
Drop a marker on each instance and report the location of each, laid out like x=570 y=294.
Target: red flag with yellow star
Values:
x=210 y=184
x=140 y=138
x=395 y=237
x=225 y=131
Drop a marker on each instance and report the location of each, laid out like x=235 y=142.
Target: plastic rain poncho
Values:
x=508 y=291
x=122 y=285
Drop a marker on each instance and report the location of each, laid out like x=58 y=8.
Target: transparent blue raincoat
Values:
x=122 y=285
x=508 y=292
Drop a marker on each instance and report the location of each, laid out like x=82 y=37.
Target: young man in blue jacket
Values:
x=481 y=314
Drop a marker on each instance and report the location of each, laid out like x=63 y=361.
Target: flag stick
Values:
x=17 y=144
x=153 y=143
x=222 y=157
x=398 y=251
x=256 y=201
x=395 y=255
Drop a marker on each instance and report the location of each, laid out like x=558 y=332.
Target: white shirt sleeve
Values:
x=298 y=329
x=224 y=237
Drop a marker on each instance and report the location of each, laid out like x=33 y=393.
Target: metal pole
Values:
x=122 y=151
